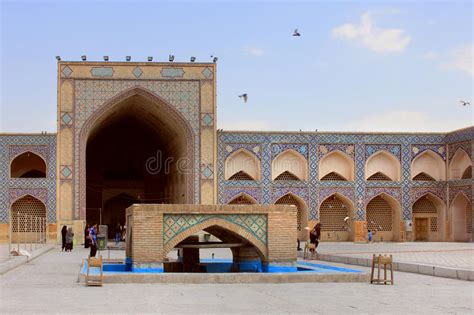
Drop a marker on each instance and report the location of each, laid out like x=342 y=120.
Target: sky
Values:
x=358 y=65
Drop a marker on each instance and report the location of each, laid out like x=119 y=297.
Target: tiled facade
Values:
x=88 y=90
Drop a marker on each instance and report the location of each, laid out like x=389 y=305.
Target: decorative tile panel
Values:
x=301 y=148
x=371 y=149
x=325 y=192
x=207 y=119
x=102 y=72
x=66 y=71
x=207 y=171
x=40 y=150
x=439 y=149
x=418 y=192
x=66 y=118
x=231 y=192
x=372 y=192
x=207 y=73
x=172 y=72
x=137 y=72
x=175 y=224
x=65 y=171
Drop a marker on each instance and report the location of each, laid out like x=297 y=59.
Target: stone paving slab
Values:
x=12 y=262
x=451 y=260
x=49 y=285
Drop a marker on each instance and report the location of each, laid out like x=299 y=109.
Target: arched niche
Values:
x=291 y=162
x=242 y=165
x=136 y=141
x=385 y=163
x=302 y=213
x=428 y=165
x=337 y=216
x=28 y=220
x=243 y=199
x=429 y=213
x=460 y=217
x=336 y=164
x=458 y=167
x=383 y=215
x=28 y=165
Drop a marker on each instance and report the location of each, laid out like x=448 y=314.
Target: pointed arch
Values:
x=286 y=175
x=429 y=218
x=337 y=216
x=302 y=212
x=460 y=217
x=243 y=199
x=333 y=176
x=383 y=162
x=339 y=163
x=429 y=163
x=383 y=215
x=467 y=173
x=242 y=161
x=157 y=114
x=291 y=161
x=459 y=165
x=28 y=165
x=379 y=176
x=28 y=218
x=224 y=225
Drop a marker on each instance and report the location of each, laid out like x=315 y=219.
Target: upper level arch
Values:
x=336 y=166
x=291 y=162
x=459 y=165
x=242 y=165
x=382 y=164
x=28 y=165
x=428 y=165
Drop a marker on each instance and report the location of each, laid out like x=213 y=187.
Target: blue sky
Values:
x=359 y=65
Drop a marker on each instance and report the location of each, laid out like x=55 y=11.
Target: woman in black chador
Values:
x=63 y=236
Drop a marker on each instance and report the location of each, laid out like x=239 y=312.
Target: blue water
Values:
x=225 y=266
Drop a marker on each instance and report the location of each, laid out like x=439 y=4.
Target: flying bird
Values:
x=296 y=33
x=244 y=97
x=464 y=103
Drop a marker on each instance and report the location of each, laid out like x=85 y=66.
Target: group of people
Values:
x=119 y=233
x=67 y=237
x=90 y=237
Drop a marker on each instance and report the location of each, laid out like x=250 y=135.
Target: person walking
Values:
x=86 y=236
x=63 y=237
x=118 y=234
x=93 y=240
x=69 y=239
x=315 y=235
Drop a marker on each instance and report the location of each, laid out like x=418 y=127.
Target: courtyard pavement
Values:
x=49 y=284
x=442 y=254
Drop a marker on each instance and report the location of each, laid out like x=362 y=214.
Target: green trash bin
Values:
x=101 y=242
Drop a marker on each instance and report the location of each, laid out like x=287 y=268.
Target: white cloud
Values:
x=254 y=51
x=253 y=125
x=377 y=39
x=462 y=60
x=407 y=121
